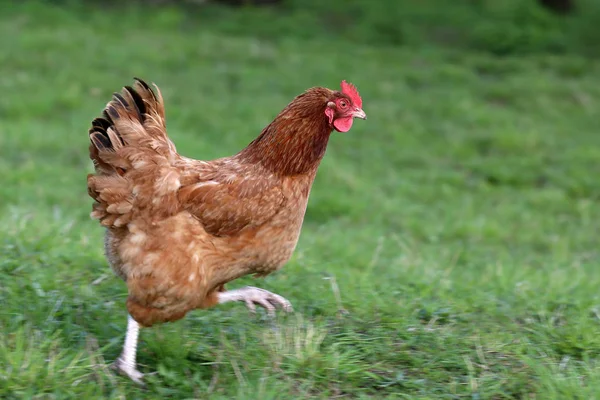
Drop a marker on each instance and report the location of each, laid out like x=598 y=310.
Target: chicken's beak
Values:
x=359 y=113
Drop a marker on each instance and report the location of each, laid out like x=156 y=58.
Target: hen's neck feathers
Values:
x=295 y=142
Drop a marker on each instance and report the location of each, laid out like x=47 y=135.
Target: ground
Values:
x=450 y=248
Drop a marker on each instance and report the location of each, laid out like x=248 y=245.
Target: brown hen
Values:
x=179 y=229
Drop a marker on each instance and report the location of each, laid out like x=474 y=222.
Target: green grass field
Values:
x=449 y=251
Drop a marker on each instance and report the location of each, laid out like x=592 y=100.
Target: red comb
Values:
x=350 y=90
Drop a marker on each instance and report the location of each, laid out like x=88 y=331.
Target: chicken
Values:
x=179 y=229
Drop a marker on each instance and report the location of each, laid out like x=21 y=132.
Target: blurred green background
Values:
x=450 y=247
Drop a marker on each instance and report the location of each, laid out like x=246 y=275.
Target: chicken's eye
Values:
x=343 y=104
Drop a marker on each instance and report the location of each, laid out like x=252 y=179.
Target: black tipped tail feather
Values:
x=129 y=100
x=130 y=148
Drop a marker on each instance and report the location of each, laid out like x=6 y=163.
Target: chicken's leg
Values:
x=126 y=361
x=252 y=296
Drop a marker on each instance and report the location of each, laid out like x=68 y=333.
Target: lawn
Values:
x=449 y=250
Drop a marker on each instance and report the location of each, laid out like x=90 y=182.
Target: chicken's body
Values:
x=179 y=229
x=173 y=265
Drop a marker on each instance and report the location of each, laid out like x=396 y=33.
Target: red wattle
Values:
x=343 y=124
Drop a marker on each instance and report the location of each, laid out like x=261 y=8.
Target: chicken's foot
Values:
x=253 y=296
x=126 y=361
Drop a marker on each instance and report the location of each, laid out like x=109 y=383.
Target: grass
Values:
x=450 y=248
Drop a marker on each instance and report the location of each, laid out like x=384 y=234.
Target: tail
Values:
x=132 y=155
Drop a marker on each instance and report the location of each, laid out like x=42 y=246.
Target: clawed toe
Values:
x=254 y=296
x=123 y=368
x=269 y=301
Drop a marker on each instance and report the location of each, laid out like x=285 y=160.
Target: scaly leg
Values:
x=126 y=361
x=252 y=296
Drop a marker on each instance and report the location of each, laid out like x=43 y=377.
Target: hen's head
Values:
x=343 y=107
